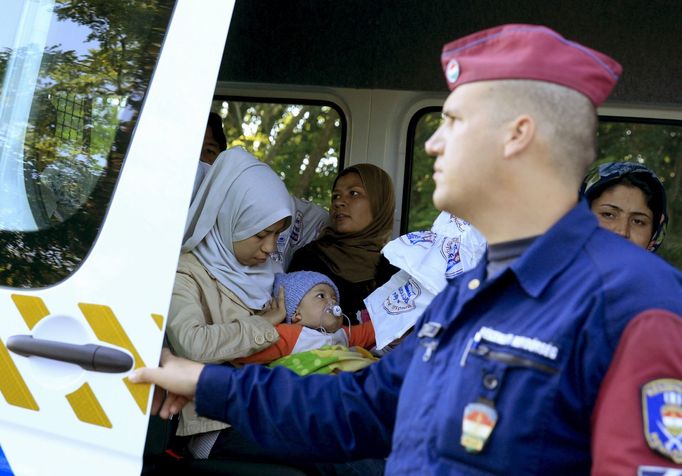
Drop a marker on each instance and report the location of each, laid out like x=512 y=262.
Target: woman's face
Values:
x=623 y=210
x=256 y=250
x=351 y=210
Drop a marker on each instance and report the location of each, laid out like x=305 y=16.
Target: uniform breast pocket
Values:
x=494 y=407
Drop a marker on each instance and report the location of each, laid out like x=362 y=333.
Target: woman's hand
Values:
x=275 y=311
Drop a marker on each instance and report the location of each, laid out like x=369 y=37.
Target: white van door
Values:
x=103 y=109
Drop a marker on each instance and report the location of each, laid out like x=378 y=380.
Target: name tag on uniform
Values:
x=429 y=329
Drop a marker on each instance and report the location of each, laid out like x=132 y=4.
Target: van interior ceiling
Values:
x=306 y=42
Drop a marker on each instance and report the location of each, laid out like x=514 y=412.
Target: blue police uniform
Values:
x=522 y=354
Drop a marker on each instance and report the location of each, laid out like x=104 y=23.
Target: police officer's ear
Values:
x=518 y=135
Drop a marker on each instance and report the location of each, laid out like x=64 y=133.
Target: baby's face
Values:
x=311 y=311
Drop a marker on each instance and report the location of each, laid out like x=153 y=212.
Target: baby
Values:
x=313 y=318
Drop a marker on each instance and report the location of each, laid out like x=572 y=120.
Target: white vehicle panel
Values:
x=66 y=420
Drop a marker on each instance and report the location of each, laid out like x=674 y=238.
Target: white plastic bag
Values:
x=426 y=260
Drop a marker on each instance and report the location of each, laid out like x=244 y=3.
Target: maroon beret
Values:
x=529 y=52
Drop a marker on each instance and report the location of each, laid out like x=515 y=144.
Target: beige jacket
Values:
x=209 y=323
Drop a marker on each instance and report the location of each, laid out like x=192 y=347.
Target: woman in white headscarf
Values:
x=220 y=309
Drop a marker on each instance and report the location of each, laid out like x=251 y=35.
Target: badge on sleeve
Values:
x=662 y=415
x=477 y=425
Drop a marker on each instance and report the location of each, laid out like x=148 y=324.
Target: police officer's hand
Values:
x=178 y=376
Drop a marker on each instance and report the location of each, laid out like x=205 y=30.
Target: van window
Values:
x=654 y=143
x=73 y=76
x=418 y=210
x=303 y=141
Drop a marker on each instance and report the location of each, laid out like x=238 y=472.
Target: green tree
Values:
x=301 y=142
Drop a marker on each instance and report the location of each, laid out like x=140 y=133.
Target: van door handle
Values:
x=92 y=357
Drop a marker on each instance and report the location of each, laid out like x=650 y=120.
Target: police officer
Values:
x=503 y=372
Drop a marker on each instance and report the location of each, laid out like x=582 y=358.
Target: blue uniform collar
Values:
x=553 y=251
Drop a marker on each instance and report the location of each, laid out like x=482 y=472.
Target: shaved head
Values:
x=566 y=121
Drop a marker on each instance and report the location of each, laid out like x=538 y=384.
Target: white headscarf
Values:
x=239 y=197
x=202 y=170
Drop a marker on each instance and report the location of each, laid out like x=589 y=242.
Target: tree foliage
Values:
x=301 y=142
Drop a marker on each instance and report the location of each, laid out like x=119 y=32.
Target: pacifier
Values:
x=334 y=310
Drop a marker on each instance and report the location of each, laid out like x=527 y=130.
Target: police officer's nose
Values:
x=433 y=144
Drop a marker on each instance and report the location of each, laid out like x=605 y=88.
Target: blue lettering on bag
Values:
x=402 y=299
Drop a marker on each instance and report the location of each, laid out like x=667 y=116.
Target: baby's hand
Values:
x=275 y=310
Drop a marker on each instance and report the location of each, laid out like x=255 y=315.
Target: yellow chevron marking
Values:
x=31 y=308
x=86 y=406
x=158 y=319
x=12 y=386
x=108 y=329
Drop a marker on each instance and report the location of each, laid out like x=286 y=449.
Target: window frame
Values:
x=409 y=161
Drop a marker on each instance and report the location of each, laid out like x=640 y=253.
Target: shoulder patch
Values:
x=662 y=417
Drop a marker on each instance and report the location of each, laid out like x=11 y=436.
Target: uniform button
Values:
x=490 y=381
x=270 y=336
x=259 y=339
x=473 y=284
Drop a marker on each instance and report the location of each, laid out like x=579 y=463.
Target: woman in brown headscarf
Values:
x=349 y=249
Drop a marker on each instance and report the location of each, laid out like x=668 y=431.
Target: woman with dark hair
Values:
x=628 y=199
x=214 y=139
x=349 y=249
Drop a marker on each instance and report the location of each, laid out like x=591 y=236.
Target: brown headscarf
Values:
x=355 y=256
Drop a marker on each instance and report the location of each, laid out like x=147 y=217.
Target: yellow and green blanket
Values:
x=330 y=359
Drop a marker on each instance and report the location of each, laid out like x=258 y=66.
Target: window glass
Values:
x=418 y=210
x=656 y=144
x=73 y=76
x=303 y=142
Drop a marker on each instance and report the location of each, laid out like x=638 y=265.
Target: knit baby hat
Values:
x=296 y=284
